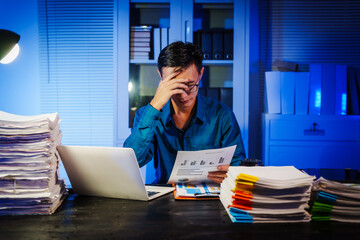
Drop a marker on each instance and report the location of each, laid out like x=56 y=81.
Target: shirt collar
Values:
x=200 y=111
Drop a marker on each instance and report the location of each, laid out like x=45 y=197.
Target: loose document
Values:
x=194 y=166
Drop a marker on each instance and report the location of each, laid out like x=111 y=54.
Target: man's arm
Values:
x=231 y=136
x=142 y=134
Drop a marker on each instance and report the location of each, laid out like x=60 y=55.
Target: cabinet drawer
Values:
x=315 y=129
x=330 y=155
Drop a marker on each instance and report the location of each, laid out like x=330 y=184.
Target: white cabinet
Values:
x=311 y=141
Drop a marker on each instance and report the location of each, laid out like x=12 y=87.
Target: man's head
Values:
x=179 y=54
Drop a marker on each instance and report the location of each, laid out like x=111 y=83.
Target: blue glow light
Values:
x=343 y=104
x=318 y=99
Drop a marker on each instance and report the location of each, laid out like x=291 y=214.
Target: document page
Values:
x=194 y=166
x=198 y=190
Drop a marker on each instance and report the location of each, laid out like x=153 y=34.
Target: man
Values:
x=177 y=118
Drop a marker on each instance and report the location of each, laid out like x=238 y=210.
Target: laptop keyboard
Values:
x=151 y=193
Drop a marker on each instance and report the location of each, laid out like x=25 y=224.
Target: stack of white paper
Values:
x=335 y=201
x=29 y=161
x=266 y=194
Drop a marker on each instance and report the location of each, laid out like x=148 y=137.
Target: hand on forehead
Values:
x=190 y=73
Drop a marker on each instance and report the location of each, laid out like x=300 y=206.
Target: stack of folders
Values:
x=335 y=201
x=266 y=194
x=140 y=38
x=29 y=161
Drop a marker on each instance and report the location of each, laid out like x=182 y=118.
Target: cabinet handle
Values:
x=187 y=31
x=314 y=131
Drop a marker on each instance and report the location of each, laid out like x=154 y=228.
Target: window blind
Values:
x=310 y=31
x=77 y=68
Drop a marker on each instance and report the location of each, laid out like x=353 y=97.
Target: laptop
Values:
x=107 y=172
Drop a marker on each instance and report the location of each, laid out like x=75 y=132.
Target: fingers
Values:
x=168 y=86
x=216 y=179
x=217 y=176
x=173 y=84
x=170 y=76
x=220 y=175
x=166 y=89
x=223 y=167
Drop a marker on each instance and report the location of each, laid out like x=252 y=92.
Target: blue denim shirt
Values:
x=155 y=135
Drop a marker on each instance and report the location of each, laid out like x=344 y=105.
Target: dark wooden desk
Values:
x=164 y=218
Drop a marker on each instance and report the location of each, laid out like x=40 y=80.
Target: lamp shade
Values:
x=8 y=40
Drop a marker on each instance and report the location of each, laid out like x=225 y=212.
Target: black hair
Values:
x=180 y=54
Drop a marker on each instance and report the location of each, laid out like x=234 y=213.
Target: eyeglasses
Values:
x=191 y=88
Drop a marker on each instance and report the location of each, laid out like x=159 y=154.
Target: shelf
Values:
x=205 y=62
x=214 y=1
x=150 y=1
x=218 y=62
x=143 y=61
x=168 y=1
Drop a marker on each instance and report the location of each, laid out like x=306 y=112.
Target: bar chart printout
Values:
x=194 y=166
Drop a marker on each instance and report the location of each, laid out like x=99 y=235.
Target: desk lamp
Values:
x=9 y=49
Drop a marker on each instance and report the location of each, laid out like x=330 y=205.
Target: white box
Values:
x=273 y=96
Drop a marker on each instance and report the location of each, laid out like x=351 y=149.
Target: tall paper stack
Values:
x=29 y=162
x=335 y=201
x=266 y=194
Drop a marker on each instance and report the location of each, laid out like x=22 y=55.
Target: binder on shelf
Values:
x=141 y=34
x=140 y=49
x=354 y=91
x=206 y=44
x=328 y=89
x=315 y=89
x=213 y=93
x=328 y=79
x=302 y=80
x=272 y=86
x=139 y=43
x=228 y=44
x=226 y=96
x=197 y=38
x=141 y=28
x=287 y=90
x=156 y=42
x=164 y=37
x=341 y=90
x=139 y=55
x=217 y=45
x=140 y=39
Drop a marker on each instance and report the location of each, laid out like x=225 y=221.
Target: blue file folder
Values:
x=287 y=81
x=302 y=80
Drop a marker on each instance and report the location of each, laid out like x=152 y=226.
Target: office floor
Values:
x=83 y=217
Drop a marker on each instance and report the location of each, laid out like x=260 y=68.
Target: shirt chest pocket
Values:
x=205 y=141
